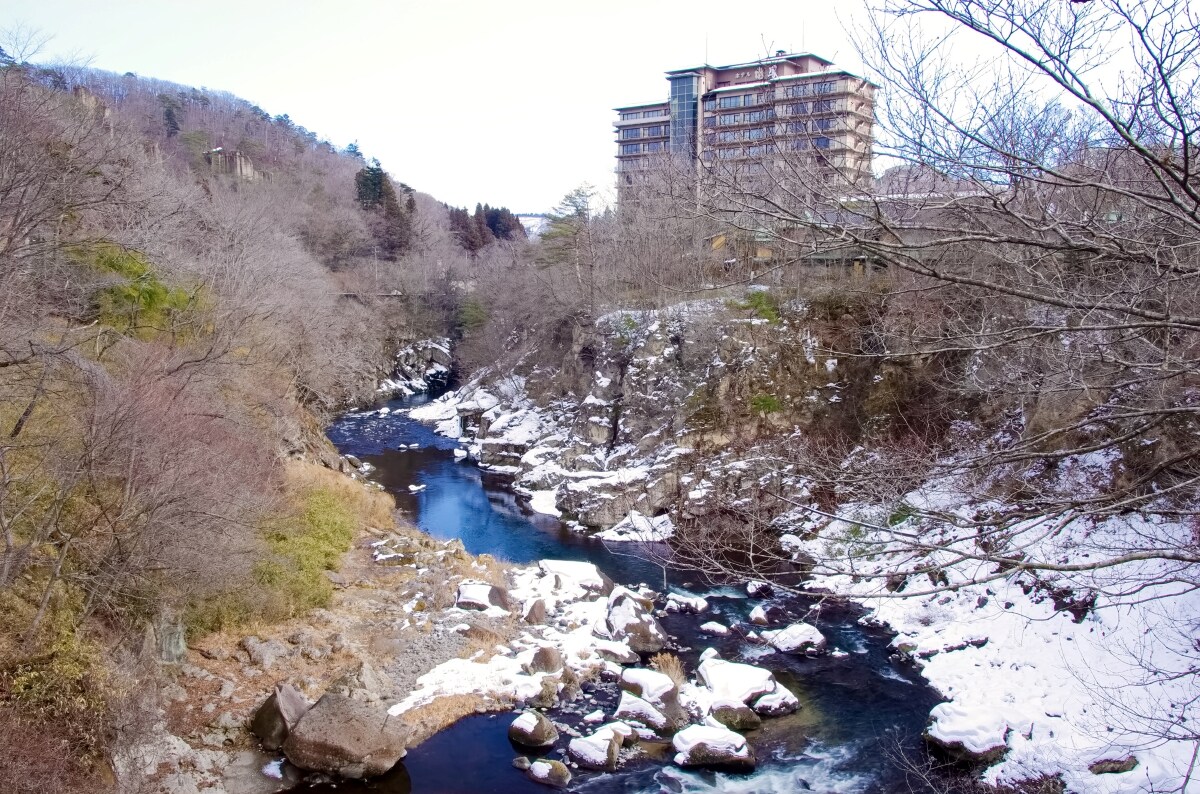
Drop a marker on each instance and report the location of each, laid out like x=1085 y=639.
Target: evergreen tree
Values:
x=390 y=220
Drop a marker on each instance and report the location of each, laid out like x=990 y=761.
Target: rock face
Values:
x=277 y=716
x=628 y=619
x=798 y=638
x=532 y=729
x=347 y=738
x=364 y=683
x=481 y=595
x=705 y=745
x=549 y=773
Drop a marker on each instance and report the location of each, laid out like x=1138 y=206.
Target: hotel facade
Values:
x=782 y=113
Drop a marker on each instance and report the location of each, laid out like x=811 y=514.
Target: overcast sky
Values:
x=508 y=103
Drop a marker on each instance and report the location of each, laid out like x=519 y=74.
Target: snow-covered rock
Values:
x=707 y=745
x=532 y=729
x=628 y=619
x=632 y=708
x=549 y=773
x=777 y=703
x=693 y=605
x=799 y=638
x=712 y=627
x=734 y=681
x=601 y=750
x=583 y=574
x=481 y=595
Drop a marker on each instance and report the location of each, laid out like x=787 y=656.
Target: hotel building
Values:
x=785 y=112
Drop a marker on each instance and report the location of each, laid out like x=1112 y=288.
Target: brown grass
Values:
x=669 y=665
x=424 y=721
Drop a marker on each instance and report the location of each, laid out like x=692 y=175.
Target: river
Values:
x=862 y=711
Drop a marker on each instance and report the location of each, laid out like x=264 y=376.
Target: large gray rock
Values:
x=546 y=659
x=264 y=654
x=363 y=682
x=277 y=716
x=347 y=738
x=735 y=716
x=532 y=729
x=628 y=619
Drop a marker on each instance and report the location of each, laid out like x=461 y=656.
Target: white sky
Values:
x=508 y=103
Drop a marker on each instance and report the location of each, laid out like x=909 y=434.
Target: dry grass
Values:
x=424 y=721
x=669 y=665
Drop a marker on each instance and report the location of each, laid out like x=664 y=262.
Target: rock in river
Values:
x=549 y=773
x=345 y=737
x=705 y=745
x=532 y=729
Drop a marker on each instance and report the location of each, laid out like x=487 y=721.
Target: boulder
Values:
x=686 y=605
x=546 y=659
x=549 y=773
x=799 y=638
x=632 y=708
x=627 y=618
x=735 y=716
x=522 y=762
x=757 y=589
x=706 y=745
x=766 y=614
x=736 y=682
x=532 y=729
x=481 y=595
x=777 y=703
x=1113 y=766
x=264 y=654
x=615 y=652
x=277 y=716
x=657 y=689
x=535 y=612
x=363 y=682
x=582 y=574
x=601 y=750
x=963 y=735
x=347 y=738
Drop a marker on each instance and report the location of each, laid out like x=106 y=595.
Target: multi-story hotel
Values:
x=785 y=112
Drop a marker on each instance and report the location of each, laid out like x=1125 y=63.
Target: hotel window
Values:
x=729 y=137
x=629 y=134
x=794 y=127
x=729 y=102
x=654 y=146
x=796 y=90
x=824 y=88
x=728 y=154
x=748 y=100
x=758 y=116
x=710 y=104
x=653 y=114
x=628 y=116
x=823 y=124
x=729 y=118
x=757 y=134
x=631 y=148
x=765 y=96
x=796 y=108
x=756 y=151
x=710 y=121
x=822 y=106
x=821 y=143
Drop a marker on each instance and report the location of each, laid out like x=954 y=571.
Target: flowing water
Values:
x=861 y=710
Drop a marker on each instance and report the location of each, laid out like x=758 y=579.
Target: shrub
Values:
x=765 y=404
x=669 y=665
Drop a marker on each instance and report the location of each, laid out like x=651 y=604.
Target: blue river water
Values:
x=862 y=711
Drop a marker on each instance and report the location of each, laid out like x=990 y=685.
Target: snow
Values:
x=474 y=595
x=594 y=716
x=593 y=749
x=543 y=502
x=655 y=687
x=526 y=722
x=274 y=769
x=632 y=708
x=713 y=627
x=735 y=681
x=636 y=527
x=583 y=574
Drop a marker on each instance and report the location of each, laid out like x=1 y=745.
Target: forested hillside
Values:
x=188 y=288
